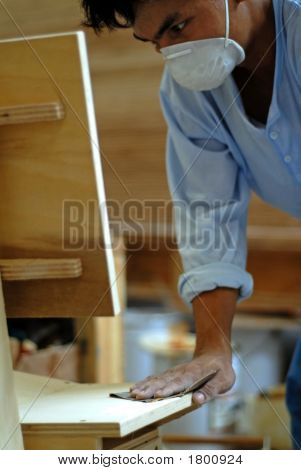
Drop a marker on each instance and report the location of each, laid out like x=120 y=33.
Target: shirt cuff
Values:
x=213 y=275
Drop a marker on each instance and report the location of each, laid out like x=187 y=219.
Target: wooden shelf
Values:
x=41 y=268
x=42 y=112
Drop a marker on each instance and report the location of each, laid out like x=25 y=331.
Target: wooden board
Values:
x=43 y=167
x=10 y=429
x=147 y=439
x=51 y=405
x=29 y=269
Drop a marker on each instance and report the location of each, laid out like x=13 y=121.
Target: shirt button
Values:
x=274 y=135
x=287 y=158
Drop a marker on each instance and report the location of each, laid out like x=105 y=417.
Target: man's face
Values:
x=168 y=22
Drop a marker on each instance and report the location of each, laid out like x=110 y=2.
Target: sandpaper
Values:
x=195 y=386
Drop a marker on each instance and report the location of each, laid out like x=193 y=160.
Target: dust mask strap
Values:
x=227 y=23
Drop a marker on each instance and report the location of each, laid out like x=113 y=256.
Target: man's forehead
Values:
x=166 y=23
x=152 y=16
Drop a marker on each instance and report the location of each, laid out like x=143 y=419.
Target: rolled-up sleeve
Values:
x=210 y=197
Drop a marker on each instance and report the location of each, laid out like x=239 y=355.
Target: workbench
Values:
x=56 y=414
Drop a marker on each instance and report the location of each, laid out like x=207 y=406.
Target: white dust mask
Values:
x=206 y=63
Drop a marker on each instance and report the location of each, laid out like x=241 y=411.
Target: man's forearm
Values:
x=213 y=312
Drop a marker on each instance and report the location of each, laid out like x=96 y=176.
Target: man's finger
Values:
x=168 y=374
x=143 y=382
x=198 y=398
x=177 y=384
x=171 y=389
x=206 y=393
x=148 y=390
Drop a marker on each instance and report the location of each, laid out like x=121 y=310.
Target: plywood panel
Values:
x=51 y=405
x=36 y=441
x=48 y=170
x=10 y=429
x=147 y=438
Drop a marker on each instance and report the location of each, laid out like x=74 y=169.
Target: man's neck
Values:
x=260 y=50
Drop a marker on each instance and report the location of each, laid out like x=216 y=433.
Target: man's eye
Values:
x=177 y=28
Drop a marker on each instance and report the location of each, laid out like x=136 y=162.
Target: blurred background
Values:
x=156 y=328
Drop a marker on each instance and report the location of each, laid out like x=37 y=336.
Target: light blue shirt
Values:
x=215 y=157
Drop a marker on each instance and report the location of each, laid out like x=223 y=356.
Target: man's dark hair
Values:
x=112 y=14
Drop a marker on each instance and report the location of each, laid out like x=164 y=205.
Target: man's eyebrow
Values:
x=169 y=20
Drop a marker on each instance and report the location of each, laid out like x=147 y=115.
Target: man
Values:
x=231 y=96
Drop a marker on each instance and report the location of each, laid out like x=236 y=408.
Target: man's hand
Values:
x=213 y=312
x=182 y=376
